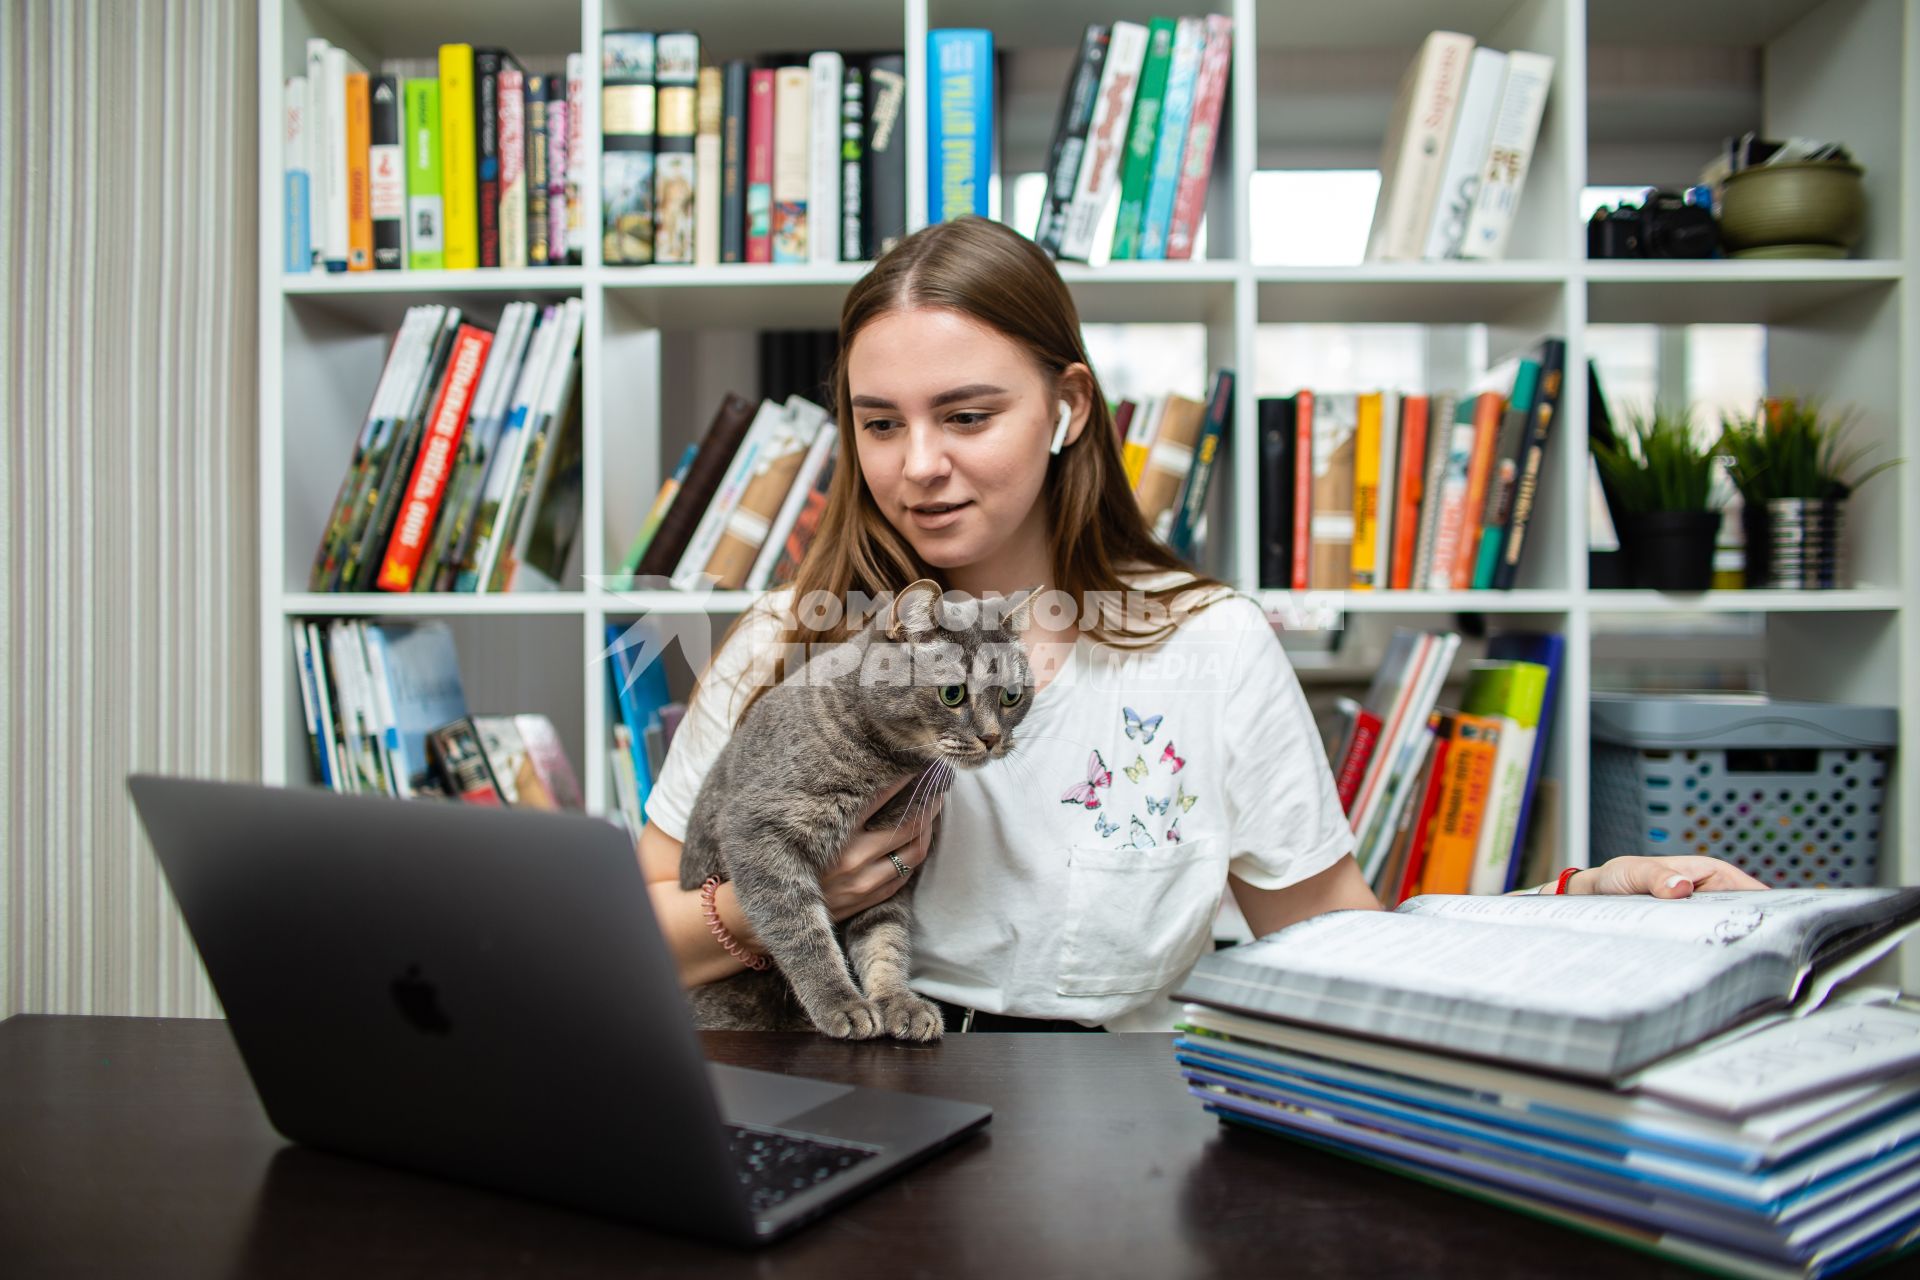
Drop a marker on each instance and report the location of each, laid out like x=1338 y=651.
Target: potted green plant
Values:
x=1795 y=471
x=1663 y=477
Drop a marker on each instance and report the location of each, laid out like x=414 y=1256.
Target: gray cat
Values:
x=927 y=688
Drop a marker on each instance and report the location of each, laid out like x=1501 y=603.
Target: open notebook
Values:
x=1588 y=986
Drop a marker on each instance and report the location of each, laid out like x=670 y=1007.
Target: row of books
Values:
x=644 y=717
x=1441 y=799
x=465 y=475
x=1458 y=148
x=1678 y=1076
x=1379 y=490
x=1169 y=445
x=479 y=165
x=788 y=158
x=1139 y=122
x=386 y=715
x=744 y=503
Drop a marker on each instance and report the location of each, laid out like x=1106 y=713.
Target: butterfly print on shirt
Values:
x=1137 y=834
x=1142 y=729
x=1179 y=762
x=1104 y=825
x=1138 y=769
x=1083 y=793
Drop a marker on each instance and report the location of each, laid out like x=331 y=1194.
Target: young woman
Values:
x=1168 y=754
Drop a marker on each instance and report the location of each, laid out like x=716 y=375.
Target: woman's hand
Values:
x=864 y=876
x=1673 y=877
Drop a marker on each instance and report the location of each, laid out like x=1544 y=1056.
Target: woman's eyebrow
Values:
x=968 y=392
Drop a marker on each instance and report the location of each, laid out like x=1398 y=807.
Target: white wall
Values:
x=127 y=574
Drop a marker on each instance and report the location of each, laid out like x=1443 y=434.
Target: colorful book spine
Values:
x=538 y=160
x=511 y=111
x=886 y=159
x=1513 y=693
x=1070 y=137
x=560 y=162
x=297 y=183
x=733 y=162
x=760 y=166
x=1139 y=441
x=792 y=162
x=1099 y=176
x=1440 y=413
x=662 y=501
x=1488 y=409
x=1450 y=528
x=387 y=175
x=579 y=218
x=1412 y=474
x=359 y=193
x=960 y=122
x=627 y=120
x=1516 y=126
x=1169 y=460
x=818 y=456
x=1203 y=132
x=1191 y=508
x=458 y=163
x=805 y=525
x=1526 y=493
x=1303 y=437
x=428 y=484
x=1363 y=736
x=852 y=161
x=1136 y=170
x=1183 y=82
x=828 y=73
x=1335 y=420
x=1462 y=805
x=426 y=213
x=1366 y=493
x=1496 y=509
x=486 y=149
x=1441 y=725
x=706 y=164
x=676 y=173
x=781 y=454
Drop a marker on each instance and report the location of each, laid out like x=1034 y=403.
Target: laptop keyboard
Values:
x=772 y=1165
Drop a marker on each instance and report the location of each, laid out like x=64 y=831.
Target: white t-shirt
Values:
x=1079 y=877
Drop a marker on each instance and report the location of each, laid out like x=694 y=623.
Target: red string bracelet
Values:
x=719 y=931
x=1560 y=885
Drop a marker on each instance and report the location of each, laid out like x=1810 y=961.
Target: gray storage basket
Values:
x=1789 y=792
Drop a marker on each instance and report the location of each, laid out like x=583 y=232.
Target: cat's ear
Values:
x=912 y=612
x=1020 y=613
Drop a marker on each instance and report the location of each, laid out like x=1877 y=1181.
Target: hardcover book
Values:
x=960 y=122
x=1070 y=137
x=626 y=139
x=676 y=164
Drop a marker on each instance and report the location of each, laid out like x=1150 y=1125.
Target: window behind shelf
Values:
x=1312 y=217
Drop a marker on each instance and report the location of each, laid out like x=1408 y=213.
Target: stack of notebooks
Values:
x=1672 y=1075
x=479 y=165
x=1139 y=123
x=787 y=158
x=1440 y=799
x=386 y=715
x=466 y=472
x=1458 y=150
x=1383 y=491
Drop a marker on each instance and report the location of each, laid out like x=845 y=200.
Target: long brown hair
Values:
x=1097 y=537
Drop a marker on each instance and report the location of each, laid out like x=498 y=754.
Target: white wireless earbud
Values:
x=1060 y=432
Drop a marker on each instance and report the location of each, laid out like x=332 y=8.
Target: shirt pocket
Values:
x=1136 y=918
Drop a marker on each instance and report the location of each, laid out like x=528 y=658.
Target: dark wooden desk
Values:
x=136 y=1147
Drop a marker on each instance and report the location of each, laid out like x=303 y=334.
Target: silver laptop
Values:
x=484 y=994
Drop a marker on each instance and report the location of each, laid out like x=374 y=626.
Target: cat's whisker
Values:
x=918 y=783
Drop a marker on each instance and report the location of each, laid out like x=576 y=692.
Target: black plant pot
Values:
x=1671 y=550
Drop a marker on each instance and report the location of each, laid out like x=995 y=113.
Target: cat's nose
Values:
x=988 y=740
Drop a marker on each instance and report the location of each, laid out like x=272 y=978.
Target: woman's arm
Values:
x=1339 y=887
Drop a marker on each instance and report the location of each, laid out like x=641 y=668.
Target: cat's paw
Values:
x=854 y=1020
x=911 y=1017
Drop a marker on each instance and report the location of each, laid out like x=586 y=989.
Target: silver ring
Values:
x=900 y=866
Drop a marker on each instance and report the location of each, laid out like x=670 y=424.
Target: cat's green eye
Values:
x=953 y=694
x=1010 y=697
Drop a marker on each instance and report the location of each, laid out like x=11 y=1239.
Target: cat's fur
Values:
x=782 y=797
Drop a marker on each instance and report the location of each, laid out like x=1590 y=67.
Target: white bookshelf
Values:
x=662 y=343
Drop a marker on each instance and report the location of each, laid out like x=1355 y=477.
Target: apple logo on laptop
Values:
x=419 y=1002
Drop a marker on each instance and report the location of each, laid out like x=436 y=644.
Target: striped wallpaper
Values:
x=128 y=327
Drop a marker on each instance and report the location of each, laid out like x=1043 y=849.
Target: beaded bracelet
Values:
x=719 y=931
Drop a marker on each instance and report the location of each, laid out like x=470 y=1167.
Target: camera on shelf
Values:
x=1664 y=225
